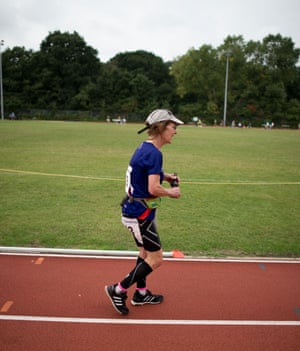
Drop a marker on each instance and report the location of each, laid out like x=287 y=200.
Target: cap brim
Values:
x=176 y=120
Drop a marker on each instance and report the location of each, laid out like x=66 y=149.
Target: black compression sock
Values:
x=141 y=283
x=140 y=271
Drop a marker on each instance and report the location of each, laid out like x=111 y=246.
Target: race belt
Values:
x=151 y=203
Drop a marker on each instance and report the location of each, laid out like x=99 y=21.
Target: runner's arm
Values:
x=156 y=189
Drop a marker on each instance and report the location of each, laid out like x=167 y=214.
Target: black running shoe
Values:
x=117 y=300
x=139 y=299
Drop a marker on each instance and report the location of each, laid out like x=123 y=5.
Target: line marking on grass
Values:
x=121 y=179
x=148 y=321
x=239 y=183
x=57 y=175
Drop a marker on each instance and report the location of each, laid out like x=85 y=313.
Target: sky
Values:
x=166 y=28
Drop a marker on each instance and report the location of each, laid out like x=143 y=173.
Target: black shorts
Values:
x=144 y=233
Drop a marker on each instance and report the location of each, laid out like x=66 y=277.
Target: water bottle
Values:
x=174 y=182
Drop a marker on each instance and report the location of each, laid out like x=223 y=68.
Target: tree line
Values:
x=65 y=79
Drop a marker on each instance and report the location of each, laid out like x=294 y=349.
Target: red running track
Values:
x=59 y=303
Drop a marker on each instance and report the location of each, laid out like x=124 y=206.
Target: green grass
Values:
x=61 y=184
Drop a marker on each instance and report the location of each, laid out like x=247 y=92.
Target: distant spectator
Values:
x=199 y=123
x=12 y=116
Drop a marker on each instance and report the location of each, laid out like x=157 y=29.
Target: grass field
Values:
x=61 y=184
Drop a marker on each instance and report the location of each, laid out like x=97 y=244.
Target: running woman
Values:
x=144 y=190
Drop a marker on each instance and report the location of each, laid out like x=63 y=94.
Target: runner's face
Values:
x=169 y=132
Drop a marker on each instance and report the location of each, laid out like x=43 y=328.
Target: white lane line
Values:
x=148 y=321
x=130 y=255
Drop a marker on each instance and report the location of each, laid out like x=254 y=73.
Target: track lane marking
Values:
x=5 y=308
x=40 y=260
x=148 y=321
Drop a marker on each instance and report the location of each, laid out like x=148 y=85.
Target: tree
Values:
x=64 y=65
x=143 y=62
x=17 y=68
x=200 y=80
x=264 y=80
x=272 y=70
x=139 y=81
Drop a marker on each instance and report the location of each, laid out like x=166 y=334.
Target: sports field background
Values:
x=61 y=184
